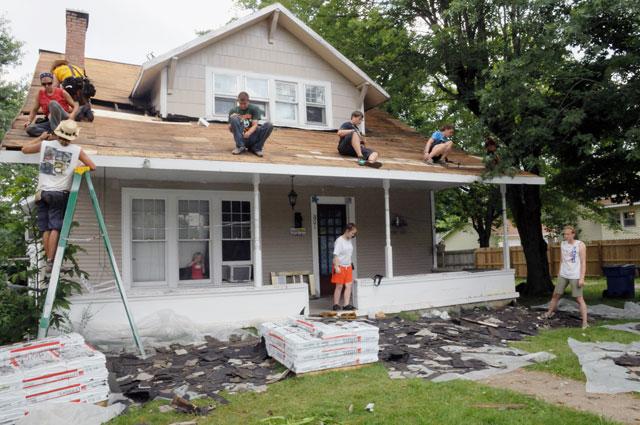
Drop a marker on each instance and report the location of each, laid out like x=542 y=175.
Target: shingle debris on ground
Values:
x=193 y=371
x=428 y=347
x=423 y=348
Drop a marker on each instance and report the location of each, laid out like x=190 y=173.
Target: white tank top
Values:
x=571 y=261
x=57 y=163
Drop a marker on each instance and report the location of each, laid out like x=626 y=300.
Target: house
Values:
x=466 y=238
x=627 y=216
x=170 y=188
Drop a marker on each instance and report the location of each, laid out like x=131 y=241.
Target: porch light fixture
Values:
x=293 y=196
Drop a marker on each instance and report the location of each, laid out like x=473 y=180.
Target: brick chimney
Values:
x=77 y=23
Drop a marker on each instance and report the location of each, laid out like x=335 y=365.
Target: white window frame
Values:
x=296 y=103
x=635 y=219
x=301 y=121
x=317 y=105
x=172 y=266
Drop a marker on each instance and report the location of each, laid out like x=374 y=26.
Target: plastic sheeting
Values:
x=631 y=310
x=159 y=329
x=633 y=327
x=72 y=414
x=499 y=359
x=603 y=375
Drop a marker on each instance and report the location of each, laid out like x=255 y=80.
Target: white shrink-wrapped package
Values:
x=59 y=369
x=303 y=345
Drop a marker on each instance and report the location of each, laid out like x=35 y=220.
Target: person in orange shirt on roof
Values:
x=56 y=104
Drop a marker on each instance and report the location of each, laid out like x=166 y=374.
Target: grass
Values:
x=326 y=398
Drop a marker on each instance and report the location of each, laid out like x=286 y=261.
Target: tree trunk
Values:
x=526 y=207
x=484 y=236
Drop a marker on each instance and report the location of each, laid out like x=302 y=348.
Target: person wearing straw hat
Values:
x=55 y=103
x=58 y=159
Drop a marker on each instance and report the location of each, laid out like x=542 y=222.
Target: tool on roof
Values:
x=43 y=325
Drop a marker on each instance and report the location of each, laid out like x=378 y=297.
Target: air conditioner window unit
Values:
x=236 y=273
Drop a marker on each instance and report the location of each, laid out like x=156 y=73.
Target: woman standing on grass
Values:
x=342 y=275
x=573 y=266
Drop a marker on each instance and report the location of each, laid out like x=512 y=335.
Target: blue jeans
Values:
x=56 y=114
x=256 y=141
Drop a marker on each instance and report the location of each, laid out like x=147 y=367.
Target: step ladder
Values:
x=43 y=325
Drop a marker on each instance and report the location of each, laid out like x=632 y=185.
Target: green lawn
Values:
x=326 y=399
x=555 y=341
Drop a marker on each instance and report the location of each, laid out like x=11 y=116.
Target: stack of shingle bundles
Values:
x=51 y=370
x=304 y=346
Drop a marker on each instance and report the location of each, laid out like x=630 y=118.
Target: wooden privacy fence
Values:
x=599 y=253
x=456 y=260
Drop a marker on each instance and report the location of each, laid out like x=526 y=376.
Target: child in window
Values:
x=197 y=266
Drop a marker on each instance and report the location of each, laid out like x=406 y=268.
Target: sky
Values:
x=119 y=30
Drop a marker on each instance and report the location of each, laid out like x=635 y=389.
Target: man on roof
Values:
x=243 y=124
x=74 y=81
x=439 y=145
x=352 y=142
x=56 y=105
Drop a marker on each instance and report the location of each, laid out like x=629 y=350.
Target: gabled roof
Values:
x=115 y=80
x=375 y=93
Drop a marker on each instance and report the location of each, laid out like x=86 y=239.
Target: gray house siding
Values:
x=250 y=51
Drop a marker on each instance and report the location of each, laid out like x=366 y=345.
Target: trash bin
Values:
x=620 y=281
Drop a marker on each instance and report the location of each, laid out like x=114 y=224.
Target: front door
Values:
x=331 y=222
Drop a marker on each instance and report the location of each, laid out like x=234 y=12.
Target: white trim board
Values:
x=350 y=203
x=277 y=169
x=286 y=19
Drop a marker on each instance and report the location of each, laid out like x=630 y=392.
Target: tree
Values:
x=539 y=76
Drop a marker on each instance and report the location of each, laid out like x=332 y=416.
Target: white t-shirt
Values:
x=570 y=259
x=57 y=163
x=343 y=250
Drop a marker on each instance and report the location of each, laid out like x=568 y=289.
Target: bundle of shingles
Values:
x=304 y=346
x=58 y=369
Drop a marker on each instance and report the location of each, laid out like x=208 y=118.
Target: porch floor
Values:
x=318 y=305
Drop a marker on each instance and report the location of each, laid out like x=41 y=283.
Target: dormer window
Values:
x=286 y=101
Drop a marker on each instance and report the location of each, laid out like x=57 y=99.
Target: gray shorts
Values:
x=576 y=291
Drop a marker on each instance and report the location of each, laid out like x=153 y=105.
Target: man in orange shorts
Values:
x=342 y=275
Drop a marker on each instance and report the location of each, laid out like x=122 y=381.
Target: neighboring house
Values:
x=466 y=237
x=627 y=216
x=172 y=189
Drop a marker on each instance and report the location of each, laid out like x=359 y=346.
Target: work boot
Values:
x=259 y=153
x=238 y=151
x=428 y=161
x=336 y=307
x=348 y=307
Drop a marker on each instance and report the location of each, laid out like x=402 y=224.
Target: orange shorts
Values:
x=342 y=276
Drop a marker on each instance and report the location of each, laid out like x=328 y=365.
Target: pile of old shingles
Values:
x=409 y=345
x=193 y=371
x=206 y=369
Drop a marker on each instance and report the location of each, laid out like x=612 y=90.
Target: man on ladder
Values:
x=58 y=158
x=58 y=187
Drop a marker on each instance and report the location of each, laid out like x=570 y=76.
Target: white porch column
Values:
x=434 y=236
x=257 y=241
x=506 y=260
x=388 y=251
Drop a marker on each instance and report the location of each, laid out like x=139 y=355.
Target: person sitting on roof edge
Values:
x=74 y=81
x=439 y=145
x=243 y=123
x=352 y=142
x=58 y=158
x=56 y=104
